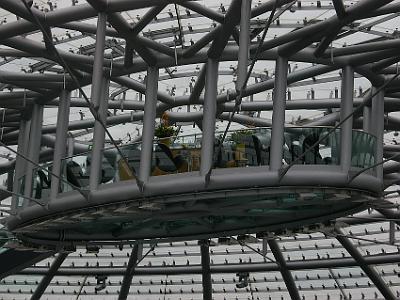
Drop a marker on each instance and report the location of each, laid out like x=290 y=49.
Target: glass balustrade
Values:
x=363 y=150
x=21 y=191
x=241 y=148
x=41 y=182
x=75 y=172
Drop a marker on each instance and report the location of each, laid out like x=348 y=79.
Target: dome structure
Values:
x=240 y=149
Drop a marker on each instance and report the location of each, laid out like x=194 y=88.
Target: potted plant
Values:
x=240 y=139
x=164 y=131
x=239 y=136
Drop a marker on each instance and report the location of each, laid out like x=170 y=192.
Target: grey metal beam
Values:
x=232 y=18
x=367 y=118
x=209 y=113
x=128 y=57
x=223 y=269
x=20 y=164
x=99 y=137
x=147 y=18
x=33 y=150
x=130 y=269
x=266 y=6
x=378 y=112
x=146 y=153
x=286 y=275
x=141 y=88
x=97 y=98
x=229 y=54
x=201 y=43
x=14 y=261
x=278 y=115
x=334 y=31
x=244 y=41
x=198 y=86
x=203 y=10
x=326 y=41
x=386 y=65
x=340 y=9
x=391 y=214
x=88 y=28
x=61 y=140
x=70 y=14
x=38 y=49
x=346 y=109
x=206 y=272
x=362 y=48
x=88 y=123
x=320 y=28
x=369 y=270
x=125 y=29
x=76 y=12
x=49 y=276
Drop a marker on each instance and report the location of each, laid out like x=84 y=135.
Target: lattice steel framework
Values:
x=277 y=209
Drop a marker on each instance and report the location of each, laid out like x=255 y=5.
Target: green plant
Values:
x=163 y=131
x=238 y=136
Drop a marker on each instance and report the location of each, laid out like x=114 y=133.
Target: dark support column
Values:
x=97 y=92
x=60 y=147
x=198 y=86
x=340 y=9
x=128 y=54
x=20 y=164
x=97 y=77
x=150 y=110
x=286 y=275
x=370 y=271
x=209 y=113
x=278 y=115
x=390 y=214
x=133 y=259
x=33 y=151
x=367 y=118
x=49 y=276
x=392 y=232
x=206 y=272
x=10 y=180
x=244 y=40
x=70 y=146
x=346 y=108
x=378 y=113
x=99 y=136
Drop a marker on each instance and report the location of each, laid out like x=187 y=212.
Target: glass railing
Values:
x=21 y=191
x=41 y=182
x=241 y=148
x=75 y=172
x=363 y=150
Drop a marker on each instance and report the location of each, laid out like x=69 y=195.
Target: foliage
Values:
x=238 y=136
x=163 y=131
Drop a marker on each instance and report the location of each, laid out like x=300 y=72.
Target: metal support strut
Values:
x=286 y=275
x=206 y=272
x=20 y=165
x=346 y=132
x=371 y=273
x=378 y=113
x=96 y=97
x=209 y=112
x=130 y=269
x=49 y=276
x=278 y=115
x=34 y=149
x=61 y=141
x=150 y=107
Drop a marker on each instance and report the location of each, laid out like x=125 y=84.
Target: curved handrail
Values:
x=243 y=148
